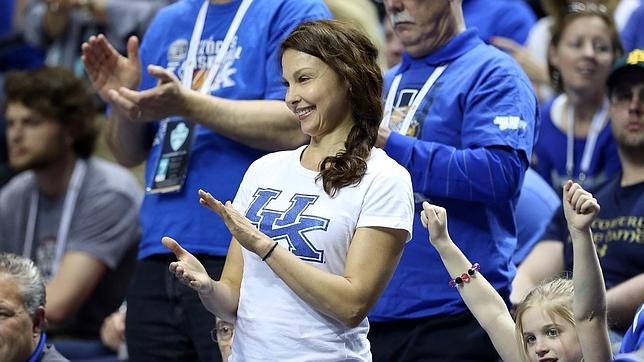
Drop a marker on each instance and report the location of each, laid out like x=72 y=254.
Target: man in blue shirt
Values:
x=460 y=116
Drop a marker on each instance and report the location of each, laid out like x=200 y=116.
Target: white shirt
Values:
x=273 y=323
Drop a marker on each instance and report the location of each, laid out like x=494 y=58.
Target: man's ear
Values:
x=39 y=320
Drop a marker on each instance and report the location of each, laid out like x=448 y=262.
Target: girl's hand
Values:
x=580 y=207
x=434 y=218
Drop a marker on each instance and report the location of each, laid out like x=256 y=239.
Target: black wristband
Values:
x=270 y=251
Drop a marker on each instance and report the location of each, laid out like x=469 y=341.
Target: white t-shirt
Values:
x=273 y=323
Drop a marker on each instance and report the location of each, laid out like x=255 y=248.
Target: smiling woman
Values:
x=317 y=231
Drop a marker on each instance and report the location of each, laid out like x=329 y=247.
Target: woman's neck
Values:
x=585 y=105
x=324 y=146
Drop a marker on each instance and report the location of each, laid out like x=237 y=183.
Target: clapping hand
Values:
x=580 y=207
x=244 y=232
x=107 y=69
x=187 y=268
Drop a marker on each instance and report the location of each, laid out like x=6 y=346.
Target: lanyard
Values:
x=69 y=204
x=191 y=59
x=391 y=95
x=591 y=140
x=35 y=356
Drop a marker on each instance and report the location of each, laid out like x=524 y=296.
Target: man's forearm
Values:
x=263 y=124
x=127 y=140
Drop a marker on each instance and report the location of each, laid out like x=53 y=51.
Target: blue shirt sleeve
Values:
x=483 y=174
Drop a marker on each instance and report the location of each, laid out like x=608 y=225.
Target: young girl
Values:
x=553 y=323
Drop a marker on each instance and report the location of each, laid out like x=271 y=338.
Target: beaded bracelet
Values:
x=465 y=277
x=270 y=251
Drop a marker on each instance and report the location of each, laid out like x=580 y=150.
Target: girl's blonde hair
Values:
x=553 y=297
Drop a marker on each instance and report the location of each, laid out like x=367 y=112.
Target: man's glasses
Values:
x=223 y=332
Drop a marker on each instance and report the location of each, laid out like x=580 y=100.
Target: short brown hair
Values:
x=58 y=94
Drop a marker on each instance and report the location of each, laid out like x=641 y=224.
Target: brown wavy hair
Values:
x=353 y=57
x=58 y=94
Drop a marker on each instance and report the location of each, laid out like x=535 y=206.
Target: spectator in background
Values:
x=466 y=140
x=618 y=228
x=22 y=313
x=229 y=105
x=61 y=26
x=575 y=140
x=499 y=18
x=74 y=215
x=534 y=56
x=633 y=32
x=224 y=332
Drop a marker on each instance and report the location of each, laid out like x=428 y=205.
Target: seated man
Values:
x=74 y=215
x=617 y=229
x=22 y=312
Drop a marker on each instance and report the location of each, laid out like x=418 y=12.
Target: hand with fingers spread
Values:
x=188 y=269
x=434 y=218
x=166 y=99
x=246 y=234
x=580 y=207
x=107 y=69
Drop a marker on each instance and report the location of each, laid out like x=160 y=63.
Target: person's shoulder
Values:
x=380 y=165
x=17 y=187
x=494 y=59
x=488 y=64
x=50 y=354
x=277 y=158
x=177 y=9
x=296 y=10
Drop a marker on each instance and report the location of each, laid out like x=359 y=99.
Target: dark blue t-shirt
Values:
x=617 y=232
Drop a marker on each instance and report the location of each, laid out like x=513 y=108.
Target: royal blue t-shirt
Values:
x=217 y=163
x=467 y=150
x=550 y=155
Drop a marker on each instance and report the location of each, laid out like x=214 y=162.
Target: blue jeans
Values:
x=165 y=319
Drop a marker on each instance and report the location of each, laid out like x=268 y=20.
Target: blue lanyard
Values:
x=39 y=348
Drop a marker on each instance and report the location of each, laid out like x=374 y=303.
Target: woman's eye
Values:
x=530 y=339
x=552 y=332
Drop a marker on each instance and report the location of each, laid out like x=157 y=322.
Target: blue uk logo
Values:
x=291 y=225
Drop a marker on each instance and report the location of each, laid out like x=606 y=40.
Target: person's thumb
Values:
x=172 y=244
x=162 y=74
x=133 y=49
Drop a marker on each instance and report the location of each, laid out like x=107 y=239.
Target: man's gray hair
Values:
x=28 y=278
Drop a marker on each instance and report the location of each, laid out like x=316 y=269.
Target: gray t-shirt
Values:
x=104 y=225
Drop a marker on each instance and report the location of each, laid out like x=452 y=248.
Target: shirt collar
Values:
x=457 y=46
